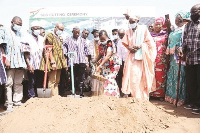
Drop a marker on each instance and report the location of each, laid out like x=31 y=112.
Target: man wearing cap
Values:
x=77 y=44
x=139 y=65
x=33 y=56
x=126 y=14
x=15 y=64
x=57 y=58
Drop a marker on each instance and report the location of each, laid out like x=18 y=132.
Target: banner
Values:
x=90 y=18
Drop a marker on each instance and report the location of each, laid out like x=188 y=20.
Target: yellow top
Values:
x=58 y=55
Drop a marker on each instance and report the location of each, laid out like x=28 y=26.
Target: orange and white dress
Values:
x=138 y=78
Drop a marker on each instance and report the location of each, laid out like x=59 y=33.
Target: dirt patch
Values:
x=91 y=114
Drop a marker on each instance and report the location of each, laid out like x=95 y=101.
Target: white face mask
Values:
x=59 y=32
x=96 y=38
x=115 y=37
x=133 y=26
x=17 y=27
x=36 y=32
x=104 y=43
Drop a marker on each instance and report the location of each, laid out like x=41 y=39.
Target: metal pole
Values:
x=72 y=75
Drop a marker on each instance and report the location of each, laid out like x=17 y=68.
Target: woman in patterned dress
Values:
x=160 y=38
x=3 y=77
x=110 y=64
x=175 y=39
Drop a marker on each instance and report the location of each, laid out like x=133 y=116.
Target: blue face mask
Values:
x=104 y=43
x=17 y=27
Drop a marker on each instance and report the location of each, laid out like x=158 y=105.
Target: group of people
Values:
x=138 y=61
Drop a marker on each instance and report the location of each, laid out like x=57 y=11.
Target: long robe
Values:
x=139 y=75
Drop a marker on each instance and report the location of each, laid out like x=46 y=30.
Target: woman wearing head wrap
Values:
x=175 y=39
x=160 y=38
x=110 y=64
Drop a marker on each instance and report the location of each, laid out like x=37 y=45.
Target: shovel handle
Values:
x=48 y=49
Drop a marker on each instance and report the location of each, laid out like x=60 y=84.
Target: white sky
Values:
x=11 y=8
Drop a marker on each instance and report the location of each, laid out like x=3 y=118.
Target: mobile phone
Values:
x=167 y=16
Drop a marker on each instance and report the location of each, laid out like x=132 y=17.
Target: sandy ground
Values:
x=98 y=114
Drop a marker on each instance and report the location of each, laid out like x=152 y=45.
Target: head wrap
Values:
x=183 y=14
x=160 y=20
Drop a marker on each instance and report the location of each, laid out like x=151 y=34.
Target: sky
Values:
x=11 y=8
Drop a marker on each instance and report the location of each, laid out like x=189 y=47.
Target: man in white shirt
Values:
x=33 y=59
x=115 y=37
x=15 y=65
x=122 y=52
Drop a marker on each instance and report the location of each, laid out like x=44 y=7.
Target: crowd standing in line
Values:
x=138 y=61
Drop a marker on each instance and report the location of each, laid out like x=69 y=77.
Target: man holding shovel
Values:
x=56 y=57
x=33 y=57
x=77 y=44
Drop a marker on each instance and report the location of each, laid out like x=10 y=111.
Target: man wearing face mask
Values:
x=191 y=48
x=15 y=65
x=33 y=57
x=57 y=58
x=139 y=65
x=115 y=37
x=77 y=44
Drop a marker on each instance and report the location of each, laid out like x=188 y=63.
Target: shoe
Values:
x=9 y=108
x=196 y=112
x=195 y=108
x=189 y=106
x=81 y=95
x=125 y=96
x=1 y=114
x=18 y=104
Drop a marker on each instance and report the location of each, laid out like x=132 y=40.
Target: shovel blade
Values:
x=43 y=93
x=74 y=96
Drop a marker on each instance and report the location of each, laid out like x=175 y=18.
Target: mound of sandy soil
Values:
x=90 y=114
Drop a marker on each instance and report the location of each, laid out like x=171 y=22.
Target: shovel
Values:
x=45 y=92
x=71 y=56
